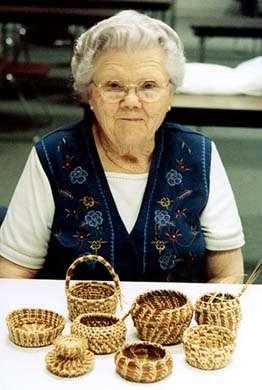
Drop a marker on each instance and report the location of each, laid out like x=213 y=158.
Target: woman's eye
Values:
x=149 y=85
x=114 y=85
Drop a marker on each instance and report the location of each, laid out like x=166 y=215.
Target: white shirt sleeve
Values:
x=220 y=220
x=25 y=232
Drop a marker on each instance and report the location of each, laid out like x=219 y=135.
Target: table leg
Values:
x=202 y=49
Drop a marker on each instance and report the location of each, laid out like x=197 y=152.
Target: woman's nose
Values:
x=131 y=100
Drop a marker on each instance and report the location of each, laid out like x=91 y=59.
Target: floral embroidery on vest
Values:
x=174 y=178
x=78 y=175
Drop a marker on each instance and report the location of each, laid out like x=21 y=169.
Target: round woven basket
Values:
x=91 y=296
x=34 y=327
x=104 y=333
x=218 y=309
x=208 y=346
x=143 y=362
x=161 y=316
x=70 y=357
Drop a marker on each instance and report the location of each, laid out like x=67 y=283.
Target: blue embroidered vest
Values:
x=166 y=243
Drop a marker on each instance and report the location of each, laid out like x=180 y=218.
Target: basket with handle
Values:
x=143 y=362
x=104 y=333
x=161 y=316
x=208 y=346
x=218 y=309
x=222 y=309
x=92 y=296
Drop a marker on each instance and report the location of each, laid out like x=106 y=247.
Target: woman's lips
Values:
x=131 y=119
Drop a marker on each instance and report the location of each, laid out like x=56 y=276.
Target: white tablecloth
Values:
x=24 y=368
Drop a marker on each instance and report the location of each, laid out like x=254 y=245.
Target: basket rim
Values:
x=144 y=343
x=200 y=300
x=77 y=320
x=12 y=326
x=186 y=336
x=108 y=284
x=188 y=301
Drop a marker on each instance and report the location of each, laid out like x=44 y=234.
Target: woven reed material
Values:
x=143 y=362
x=34 y=327
x=70 y=357
x=208 y=346
x=218 y=309
x=161 y=316
x=104 y=333
x=92 y=296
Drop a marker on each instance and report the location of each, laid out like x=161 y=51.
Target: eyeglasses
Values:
x=146 y=91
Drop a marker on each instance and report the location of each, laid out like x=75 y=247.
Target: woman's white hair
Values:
x=126 y=29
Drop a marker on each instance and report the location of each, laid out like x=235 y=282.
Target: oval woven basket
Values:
x=161 y=316
x=208 y=346
x=34 y=327
x=104 y=333
x=143 y=362
x=218 y=309
x=91 y=296
x=70 y=357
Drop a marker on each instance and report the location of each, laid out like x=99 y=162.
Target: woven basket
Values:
x=104 y=333
x=91 y=296
x=208 y=346
x=70 y=357
x=34 y=327
x=143 y=362
x=161 y=316
x=218 y=309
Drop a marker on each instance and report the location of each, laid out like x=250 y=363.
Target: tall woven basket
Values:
x=91 y=296
x=218 y=309
x=223 y=309
x=161 y=316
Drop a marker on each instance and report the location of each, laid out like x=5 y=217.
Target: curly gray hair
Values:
x=126 y=29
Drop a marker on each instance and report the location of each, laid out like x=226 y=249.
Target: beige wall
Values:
x=204 y=7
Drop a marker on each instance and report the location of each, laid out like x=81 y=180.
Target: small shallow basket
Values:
x=208 y=346
x=70 y=357
x=161 y=316
x=218 y=309
x=34 y=327
x=91 y=296
x=104 y=333
x=143 y=362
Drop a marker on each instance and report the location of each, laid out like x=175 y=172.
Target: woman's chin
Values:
x=133 y=136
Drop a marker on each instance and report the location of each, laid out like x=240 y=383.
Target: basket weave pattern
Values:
x=91 y=296
x=218 y=309
x=161 y=316
x=34 y=327
x=70 y=357
x=104 y=333
x=143 y=362
x=208 y=346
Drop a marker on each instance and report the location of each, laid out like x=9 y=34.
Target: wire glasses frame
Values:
x=114 y=92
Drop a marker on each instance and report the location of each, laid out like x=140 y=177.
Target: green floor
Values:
x=240 y=149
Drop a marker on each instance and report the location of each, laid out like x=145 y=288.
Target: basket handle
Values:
x=256 y=272
x=130 y=311
x=100 y=259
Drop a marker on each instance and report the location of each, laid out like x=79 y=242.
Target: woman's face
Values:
x=131 y=120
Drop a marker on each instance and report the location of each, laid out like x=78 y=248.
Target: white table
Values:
x=24 y=368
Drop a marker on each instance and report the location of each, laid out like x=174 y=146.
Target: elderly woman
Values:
x=150 y=196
